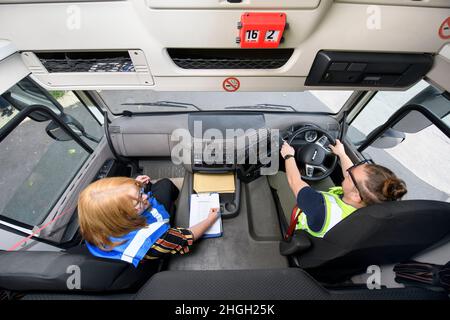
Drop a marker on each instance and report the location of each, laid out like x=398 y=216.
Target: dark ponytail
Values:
x=382 y=185
x=393 y=189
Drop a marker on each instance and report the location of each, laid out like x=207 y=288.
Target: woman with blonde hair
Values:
x=120 y=221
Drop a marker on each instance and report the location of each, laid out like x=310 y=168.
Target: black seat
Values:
x=50 y=271
x=379 y=234
x=274 y=284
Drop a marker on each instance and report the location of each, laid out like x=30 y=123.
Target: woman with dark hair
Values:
x=364 y=184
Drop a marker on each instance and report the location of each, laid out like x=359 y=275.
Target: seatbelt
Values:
x=296 y=212
x=24 y=240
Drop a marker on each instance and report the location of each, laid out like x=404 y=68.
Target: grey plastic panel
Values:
x=150 y=135
x=146 y=136
x=154 y=144
x=263 y=217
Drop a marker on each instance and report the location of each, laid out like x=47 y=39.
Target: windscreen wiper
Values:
x=266 y=106
x=170 y=104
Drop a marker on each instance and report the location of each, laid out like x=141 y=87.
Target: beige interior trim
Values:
x=12 y=70
x=133 y=25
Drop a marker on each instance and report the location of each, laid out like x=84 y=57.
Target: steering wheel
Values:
x=315 y=160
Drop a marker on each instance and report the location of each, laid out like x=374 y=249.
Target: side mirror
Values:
x=56 y=132
x=389 y=139
x=431 y=99
x=17 y=104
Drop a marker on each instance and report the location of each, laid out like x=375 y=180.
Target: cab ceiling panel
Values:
x=233 y=4
x=159 y=28
x=51 y=1
x=413 y=3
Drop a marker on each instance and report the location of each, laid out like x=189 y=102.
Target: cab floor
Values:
x=159 y=169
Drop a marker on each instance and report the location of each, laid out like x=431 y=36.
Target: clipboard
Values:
x=199 y=210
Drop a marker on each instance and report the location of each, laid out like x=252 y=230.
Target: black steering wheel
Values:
x=314 y=160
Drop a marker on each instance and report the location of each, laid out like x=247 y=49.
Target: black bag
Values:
x=423 y=274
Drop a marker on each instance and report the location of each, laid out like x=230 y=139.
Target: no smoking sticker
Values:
x=231 y=84
x=444 y=29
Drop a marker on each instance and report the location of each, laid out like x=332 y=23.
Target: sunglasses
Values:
x=349 y=170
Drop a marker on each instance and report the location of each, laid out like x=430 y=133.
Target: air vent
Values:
x=230 y=58
x=117 y=61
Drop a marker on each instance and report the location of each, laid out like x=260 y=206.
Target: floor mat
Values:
x=238 y=247
x=159 y=169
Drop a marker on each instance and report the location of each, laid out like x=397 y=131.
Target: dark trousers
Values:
x=165 y=193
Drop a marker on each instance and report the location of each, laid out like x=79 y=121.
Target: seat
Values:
x=43 y=271
x=261 y=284
x=380 y=234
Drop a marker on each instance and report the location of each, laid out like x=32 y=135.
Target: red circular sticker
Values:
x=444 y=29
x=231 y=84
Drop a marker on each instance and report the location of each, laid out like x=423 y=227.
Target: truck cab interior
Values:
x=85 y=96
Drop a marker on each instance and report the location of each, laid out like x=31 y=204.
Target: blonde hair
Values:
x=106 y=209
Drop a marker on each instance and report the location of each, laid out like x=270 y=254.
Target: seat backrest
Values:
x=52 y=271
x=379 y=234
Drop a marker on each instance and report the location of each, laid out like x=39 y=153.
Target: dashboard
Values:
x=152 y=135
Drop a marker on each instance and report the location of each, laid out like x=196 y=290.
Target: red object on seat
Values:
x=296 y=212
x=261 y=29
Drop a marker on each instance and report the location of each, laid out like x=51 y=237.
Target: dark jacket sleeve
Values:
x=312 y=204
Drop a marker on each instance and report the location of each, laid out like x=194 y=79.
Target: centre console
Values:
x=217 y=133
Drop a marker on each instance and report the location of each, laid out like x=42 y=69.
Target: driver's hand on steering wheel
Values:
x=286 y=149
x=338 y=148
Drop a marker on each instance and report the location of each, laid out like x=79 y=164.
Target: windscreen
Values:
x=330 y=101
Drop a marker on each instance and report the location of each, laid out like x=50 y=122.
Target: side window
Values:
x=86 y=115
x=383 y=105
x=422 y=159
x=36 y=169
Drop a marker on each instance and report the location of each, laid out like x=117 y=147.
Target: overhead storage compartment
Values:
x=89 y=68
x=230 y=58
x=116 y=61
x=368 y=69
